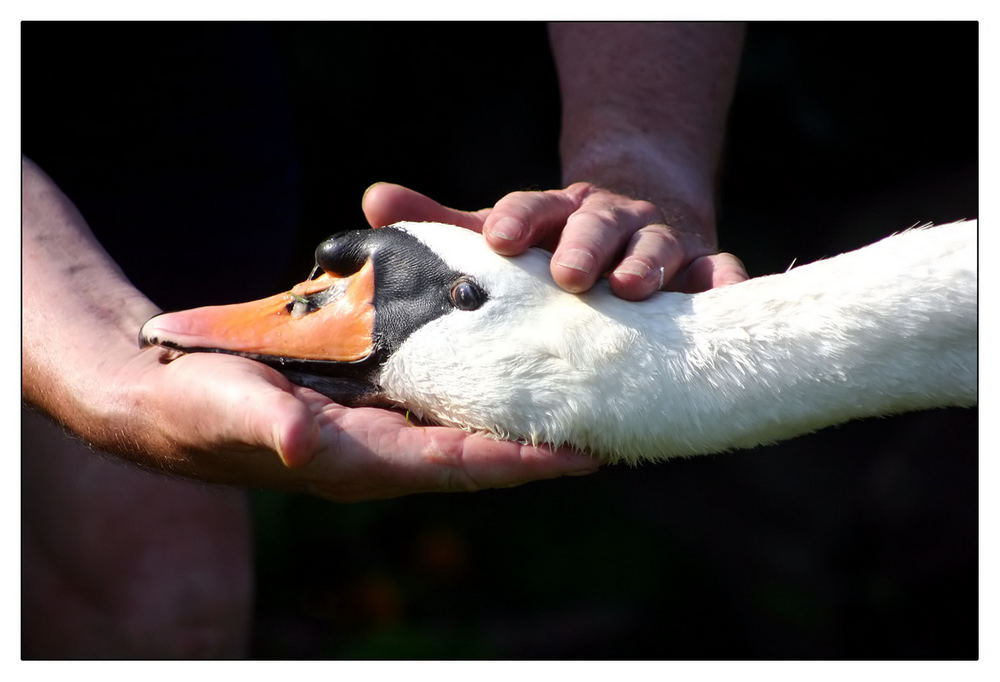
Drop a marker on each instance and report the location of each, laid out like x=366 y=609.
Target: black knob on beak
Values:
x=344 y=253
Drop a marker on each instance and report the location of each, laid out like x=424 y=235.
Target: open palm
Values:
x=230 y=416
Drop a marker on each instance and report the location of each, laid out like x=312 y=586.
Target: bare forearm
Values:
x=644 y=109
x=79 y=311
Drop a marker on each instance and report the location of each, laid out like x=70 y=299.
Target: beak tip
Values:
x=147 y=334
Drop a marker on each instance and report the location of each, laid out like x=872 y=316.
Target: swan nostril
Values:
x=301 y=306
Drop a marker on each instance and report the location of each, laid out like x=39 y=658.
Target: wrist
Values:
x=84 y=373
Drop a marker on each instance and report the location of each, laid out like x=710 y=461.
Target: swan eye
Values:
x=466 y=295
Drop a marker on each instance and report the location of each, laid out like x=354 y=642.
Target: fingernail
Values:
x=369 y=189
x=636 y=268
x=276 y=436
x=577 y=259
x=510 y=229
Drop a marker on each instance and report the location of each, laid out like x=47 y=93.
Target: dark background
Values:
x=197 y=152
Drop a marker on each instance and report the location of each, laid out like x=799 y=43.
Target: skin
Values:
x=639 y=155
x=639 y=148
x=100 y=579
x=83 y=365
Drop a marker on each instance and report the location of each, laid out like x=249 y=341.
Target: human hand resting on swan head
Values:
x=643 y=116
x=589 y=230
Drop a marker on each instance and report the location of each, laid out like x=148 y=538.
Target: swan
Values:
x=426 y=317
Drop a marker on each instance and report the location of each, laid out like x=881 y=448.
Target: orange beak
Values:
x=329 y=318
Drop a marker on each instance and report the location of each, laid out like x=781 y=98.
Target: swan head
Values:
x=427 y=317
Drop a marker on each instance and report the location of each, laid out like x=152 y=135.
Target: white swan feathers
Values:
x=885 y=329
x=427 y=317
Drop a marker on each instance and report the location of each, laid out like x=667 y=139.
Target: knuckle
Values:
x=578 y=191
x=604 y=218
x=514 y=200
x=451 y=463
x=647 y=211
x=657 y=239
x=658 y=233
x=625 y=216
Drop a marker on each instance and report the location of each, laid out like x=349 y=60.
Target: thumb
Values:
x=284 y=424
x=385 y=203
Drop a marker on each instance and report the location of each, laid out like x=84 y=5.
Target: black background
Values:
x=210 y=159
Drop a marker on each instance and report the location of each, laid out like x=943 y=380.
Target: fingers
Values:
x=223 y=417
x=652 y=252
x=264 y=414
x=585 y=227
x=709 y=272
x=459 y=461
x=590 y=231
x=269 y=415
x=371 y=453
x=595 y=235
x=294 y=429
x=384 y=204
x=523 y=219
x=245 y=411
